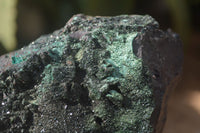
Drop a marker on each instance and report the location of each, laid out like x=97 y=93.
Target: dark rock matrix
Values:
x=95 y=75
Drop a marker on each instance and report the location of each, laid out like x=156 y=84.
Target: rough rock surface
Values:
x=96 y=74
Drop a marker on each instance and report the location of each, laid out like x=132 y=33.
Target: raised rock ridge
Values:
x=95 y=75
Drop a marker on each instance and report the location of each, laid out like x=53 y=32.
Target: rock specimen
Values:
x=95 y=75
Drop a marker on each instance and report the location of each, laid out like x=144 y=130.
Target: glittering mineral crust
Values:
x=84 y=78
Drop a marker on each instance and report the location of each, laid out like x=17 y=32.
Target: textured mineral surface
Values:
x=95 y=75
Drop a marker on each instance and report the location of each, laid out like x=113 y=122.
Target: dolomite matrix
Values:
x=95 y=75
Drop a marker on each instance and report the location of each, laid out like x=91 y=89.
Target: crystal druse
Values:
x=95 y=75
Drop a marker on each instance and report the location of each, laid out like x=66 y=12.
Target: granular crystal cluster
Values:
x=95 y=75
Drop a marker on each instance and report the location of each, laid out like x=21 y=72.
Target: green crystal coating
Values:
x=86 y=78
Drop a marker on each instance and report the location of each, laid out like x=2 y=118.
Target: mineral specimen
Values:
x=95 y=75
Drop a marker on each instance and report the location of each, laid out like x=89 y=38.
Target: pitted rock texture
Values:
x=95 y=75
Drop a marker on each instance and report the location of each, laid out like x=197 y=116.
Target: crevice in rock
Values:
x=115 y=87
x=83 y=91
x=79 y=75
x=98 y=120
